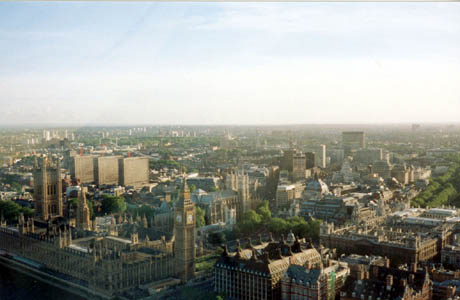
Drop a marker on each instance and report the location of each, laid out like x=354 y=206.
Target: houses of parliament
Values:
x=129 y=255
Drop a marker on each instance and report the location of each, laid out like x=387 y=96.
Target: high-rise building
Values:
x=299 y=164
x=82 y=168
x=133 y=171
x=322 y=156
x=48 y=190
x=310 y=159
x=286 y=163
x=353 y=140
x=184 y=231
x=106 y=170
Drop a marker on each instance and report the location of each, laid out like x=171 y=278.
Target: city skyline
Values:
x=229 y=63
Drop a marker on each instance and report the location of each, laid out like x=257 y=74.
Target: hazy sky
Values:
x=229 y=63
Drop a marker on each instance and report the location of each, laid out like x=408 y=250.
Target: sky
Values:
x=229 y=63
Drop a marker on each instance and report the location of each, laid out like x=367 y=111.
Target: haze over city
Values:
x=227 y=151
x=229 y=63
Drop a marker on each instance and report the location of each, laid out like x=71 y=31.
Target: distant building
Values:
x=310 y=159
x=106 y=170
x=133 y=171
x=299 y=164
x=322 y=156
x=368 y=156
x=285 y=194
x=400 y=246
x=82 y=168
x=383 y=168
x=353 y=140
x=239 y=182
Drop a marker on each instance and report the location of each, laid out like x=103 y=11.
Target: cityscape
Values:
x=211 y=151
x=234 y=212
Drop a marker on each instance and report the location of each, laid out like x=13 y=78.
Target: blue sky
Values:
x=229 y=63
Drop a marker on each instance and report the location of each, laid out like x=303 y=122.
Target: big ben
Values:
x=184 y=231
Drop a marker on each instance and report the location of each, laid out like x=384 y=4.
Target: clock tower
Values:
x=184 y=232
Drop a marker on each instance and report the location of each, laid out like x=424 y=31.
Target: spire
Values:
x=238 y=249
x=184 y=193
x=146 y=224
x=225 y=253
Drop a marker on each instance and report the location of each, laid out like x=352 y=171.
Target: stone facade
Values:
x=83 y=213
x=48 y=190
x=185 y=235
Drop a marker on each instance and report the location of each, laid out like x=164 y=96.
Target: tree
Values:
x=250 y=222
x=11 y=210
x=200 y=213
x=192 y=188
x=216 y=238
x=73 y=202
x=112 y=205
x=277 y=226
x=17 y=187
x=264 y=211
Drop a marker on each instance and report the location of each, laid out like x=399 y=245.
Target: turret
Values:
x=144 y=220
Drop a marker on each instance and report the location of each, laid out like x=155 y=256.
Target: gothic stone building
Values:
x=129 y=255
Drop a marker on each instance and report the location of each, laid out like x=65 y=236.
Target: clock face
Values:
x=190 y=219
x=179 y=219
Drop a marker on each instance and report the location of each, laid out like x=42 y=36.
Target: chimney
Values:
x=360 y=274
x=375 y=271
x=389 y=282
x=403 y=282
x=413 y=267
x=411 y=278
x=387 y=262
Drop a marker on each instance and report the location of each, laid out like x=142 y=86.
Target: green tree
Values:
x=17 y=187
x=27 y=212
x=216 y=238
x=73 y=202
x=10 y=210
x=278 y=226
x=192 y=188
x=112 y=205
x=249 y=223
x=200 y=220
x=264 y=211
